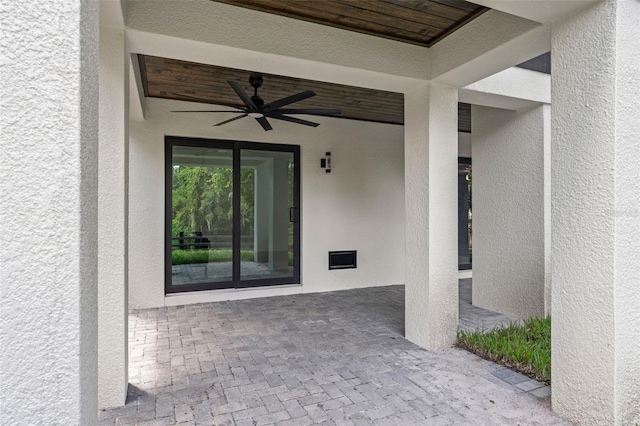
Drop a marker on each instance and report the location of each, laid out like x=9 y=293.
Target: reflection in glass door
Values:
x=266 y=214
x=201 y=215
x=232 y=214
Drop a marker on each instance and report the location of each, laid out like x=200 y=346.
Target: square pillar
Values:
x=431 y=209
x=49 y=213
x=113 y=211
x=595 y=218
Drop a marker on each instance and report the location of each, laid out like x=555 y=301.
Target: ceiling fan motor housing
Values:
x=257 y=100
x=255 y=80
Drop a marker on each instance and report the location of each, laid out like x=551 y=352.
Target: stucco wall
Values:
x=48 y=213
x=508 y=210
x=358 y=206
x=595 y=241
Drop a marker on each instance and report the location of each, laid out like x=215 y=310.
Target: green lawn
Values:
x=184 y=257
x=525 y=348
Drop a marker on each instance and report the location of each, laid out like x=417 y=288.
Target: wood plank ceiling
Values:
x=421 y=22
x=188 y=81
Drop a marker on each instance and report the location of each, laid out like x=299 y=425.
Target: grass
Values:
x=185 y=257
x=525 y=347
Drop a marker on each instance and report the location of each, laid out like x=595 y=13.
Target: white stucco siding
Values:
x=358 y=206
x=508 y=211
x=48 y=213
x=583 y=229
x=594 y=197
x=627 y=213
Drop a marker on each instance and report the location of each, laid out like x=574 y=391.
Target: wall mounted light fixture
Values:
x=325 y=162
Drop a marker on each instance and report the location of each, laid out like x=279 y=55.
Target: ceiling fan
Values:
x=256 y=108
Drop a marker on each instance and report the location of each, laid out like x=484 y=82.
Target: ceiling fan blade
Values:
x=294 y=120
x=182 y=95
x=310 y=111
x=264 y=123
x=211 y=110
x=289 y=100
x=243 y=95
x=206 y=101
x=230 y=120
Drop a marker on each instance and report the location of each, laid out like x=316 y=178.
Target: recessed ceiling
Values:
x=188 y=81
x=421 y=22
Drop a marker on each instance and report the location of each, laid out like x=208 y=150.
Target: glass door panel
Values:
x=267 y=215
x=464 y=213
x=201 y=216
x=231 y=214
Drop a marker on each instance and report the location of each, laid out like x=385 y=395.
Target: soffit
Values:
x=420 y=22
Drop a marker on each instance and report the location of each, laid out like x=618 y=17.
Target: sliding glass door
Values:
x=232 y=214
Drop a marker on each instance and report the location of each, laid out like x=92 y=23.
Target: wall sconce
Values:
x=325 y=162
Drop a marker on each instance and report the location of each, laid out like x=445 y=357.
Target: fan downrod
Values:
x=255 y=80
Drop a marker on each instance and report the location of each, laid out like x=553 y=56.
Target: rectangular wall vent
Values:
x=343 y=259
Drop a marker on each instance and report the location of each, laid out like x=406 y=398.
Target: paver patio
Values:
x=329 y=358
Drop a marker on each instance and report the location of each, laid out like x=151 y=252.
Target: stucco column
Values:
x=508 y=210
x=431 y=206
x=595 y=215
x=49 y=213
x=113 y=212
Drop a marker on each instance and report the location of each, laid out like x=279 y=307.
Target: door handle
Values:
x=293 y=215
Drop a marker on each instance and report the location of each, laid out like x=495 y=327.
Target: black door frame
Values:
x=235 y=147
x=464 y=266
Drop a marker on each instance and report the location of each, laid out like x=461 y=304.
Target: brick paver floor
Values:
x=330 y=358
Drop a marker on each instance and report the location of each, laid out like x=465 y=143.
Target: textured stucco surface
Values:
x=476 y=38
x=508 y=210
x=431 y=180
x=627 y=214
x=514 y=88
x=358 y=206
x=48 y=213
x=477 y=50
x=112 y=244
x=546 y=111
x=594 y=217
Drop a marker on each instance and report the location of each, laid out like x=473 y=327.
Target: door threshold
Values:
x=222 y=295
